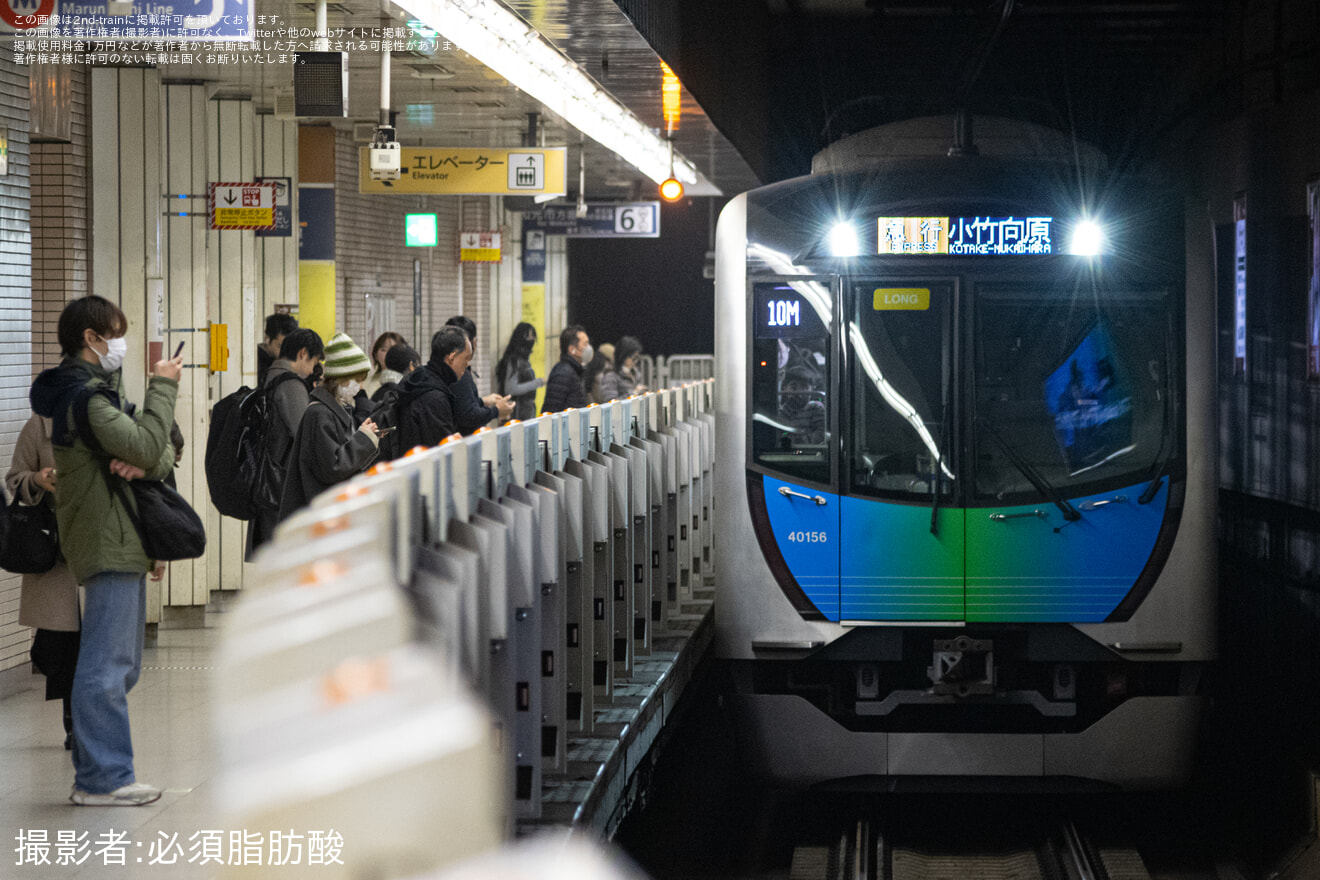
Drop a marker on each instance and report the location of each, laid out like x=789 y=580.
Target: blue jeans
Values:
x=109 y=663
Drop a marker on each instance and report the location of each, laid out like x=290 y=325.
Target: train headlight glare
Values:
x=843 y=241
x=1088 y=239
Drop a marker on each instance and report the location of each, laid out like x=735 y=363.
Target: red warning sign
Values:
x=240 y=205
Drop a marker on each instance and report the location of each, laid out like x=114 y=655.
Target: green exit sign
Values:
x=421 y=230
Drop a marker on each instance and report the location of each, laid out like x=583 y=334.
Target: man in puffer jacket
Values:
x=426 y=395
x=99 y=540
x=563 y=389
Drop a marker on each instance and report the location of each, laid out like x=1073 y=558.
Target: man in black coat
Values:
x=563 y=389
x=277 y=327
x=426 y=395
x=471 y=410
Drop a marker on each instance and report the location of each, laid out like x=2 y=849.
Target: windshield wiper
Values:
x=1070 y=513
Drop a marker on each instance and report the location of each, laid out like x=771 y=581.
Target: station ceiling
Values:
x=1120 y=73
x=767 y=83
x=447 y=98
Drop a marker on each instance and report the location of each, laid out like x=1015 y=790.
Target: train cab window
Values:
x=900 y=350
x=1072 y=393
x=791 y=378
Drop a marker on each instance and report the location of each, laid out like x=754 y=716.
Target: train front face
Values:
x=961 y=537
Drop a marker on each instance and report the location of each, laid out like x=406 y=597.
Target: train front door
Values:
x=902 y=530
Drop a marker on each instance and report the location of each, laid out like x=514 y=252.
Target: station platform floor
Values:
x=169 y=712
x=182 y=835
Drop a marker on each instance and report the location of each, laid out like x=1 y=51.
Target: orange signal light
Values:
x=671 y=95
x=671 y=190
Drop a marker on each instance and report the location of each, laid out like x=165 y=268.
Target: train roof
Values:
x=932 y=136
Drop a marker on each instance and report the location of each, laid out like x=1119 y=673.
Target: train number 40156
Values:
x=808 y=537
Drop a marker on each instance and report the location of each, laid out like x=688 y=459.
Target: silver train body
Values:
x=966 y=488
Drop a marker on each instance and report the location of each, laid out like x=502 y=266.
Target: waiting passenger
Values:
x=426 y=396
x=277 y=327
x=563 y=390
x=621 y=381
x=400 y=360
x=471 y=411
x=515 y=375
x=98 y=538
x=380 y=373
x=288 y=400
x=328 y=449
x=598 y=366
x=47 y=601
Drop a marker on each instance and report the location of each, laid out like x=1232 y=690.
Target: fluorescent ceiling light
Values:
x=506 y=44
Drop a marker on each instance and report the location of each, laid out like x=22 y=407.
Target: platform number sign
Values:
x=641 y=219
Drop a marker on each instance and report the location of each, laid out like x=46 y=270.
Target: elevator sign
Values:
x=240 y=205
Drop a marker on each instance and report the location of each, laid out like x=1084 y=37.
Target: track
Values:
x=871 y=850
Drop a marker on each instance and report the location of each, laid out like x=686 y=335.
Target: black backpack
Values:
x=241 y=475
x=387 y=414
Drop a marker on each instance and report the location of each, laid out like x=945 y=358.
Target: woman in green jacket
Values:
x=97 y=536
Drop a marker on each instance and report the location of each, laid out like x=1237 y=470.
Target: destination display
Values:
x=977 y=236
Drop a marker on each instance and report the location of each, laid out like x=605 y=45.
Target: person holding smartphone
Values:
x=328 y=448
x=97 y=535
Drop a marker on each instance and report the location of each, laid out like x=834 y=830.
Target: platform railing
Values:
x=507 y=581
x=675 y=370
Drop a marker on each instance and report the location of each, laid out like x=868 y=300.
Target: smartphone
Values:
x=178 y=350
x=381 y=432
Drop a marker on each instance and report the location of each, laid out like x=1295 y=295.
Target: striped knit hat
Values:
x=344 y=358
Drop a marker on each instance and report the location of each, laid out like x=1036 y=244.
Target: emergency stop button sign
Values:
x=241 y=205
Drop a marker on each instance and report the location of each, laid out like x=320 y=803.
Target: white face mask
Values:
x=346 y=392
x=113 y=359
x=587 y=354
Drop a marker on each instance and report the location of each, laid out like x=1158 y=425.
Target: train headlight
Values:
x=1088 y=239
x=843 y=241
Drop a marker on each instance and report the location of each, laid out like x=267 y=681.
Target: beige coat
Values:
x=50 y=600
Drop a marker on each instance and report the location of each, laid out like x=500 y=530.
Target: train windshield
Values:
x=901 y=343
x=792 y=378
x=1070 y=391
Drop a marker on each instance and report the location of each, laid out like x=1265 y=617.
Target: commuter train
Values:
x=966 y=498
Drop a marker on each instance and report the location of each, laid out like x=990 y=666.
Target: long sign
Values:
x=602 y=220
x=490 y=171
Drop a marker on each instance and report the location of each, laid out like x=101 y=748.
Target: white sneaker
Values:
x=133 y=795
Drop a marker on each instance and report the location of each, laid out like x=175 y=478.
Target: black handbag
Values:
x=166 y=524
x=32 y=544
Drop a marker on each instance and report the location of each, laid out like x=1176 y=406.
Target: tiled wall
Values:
x=15 y=331
x=476 y=295
x=59 y=228
x=372 y=260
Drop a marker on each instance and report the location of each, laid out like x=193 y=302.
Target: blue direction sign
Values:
x=135 y=20
x=602 y=220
